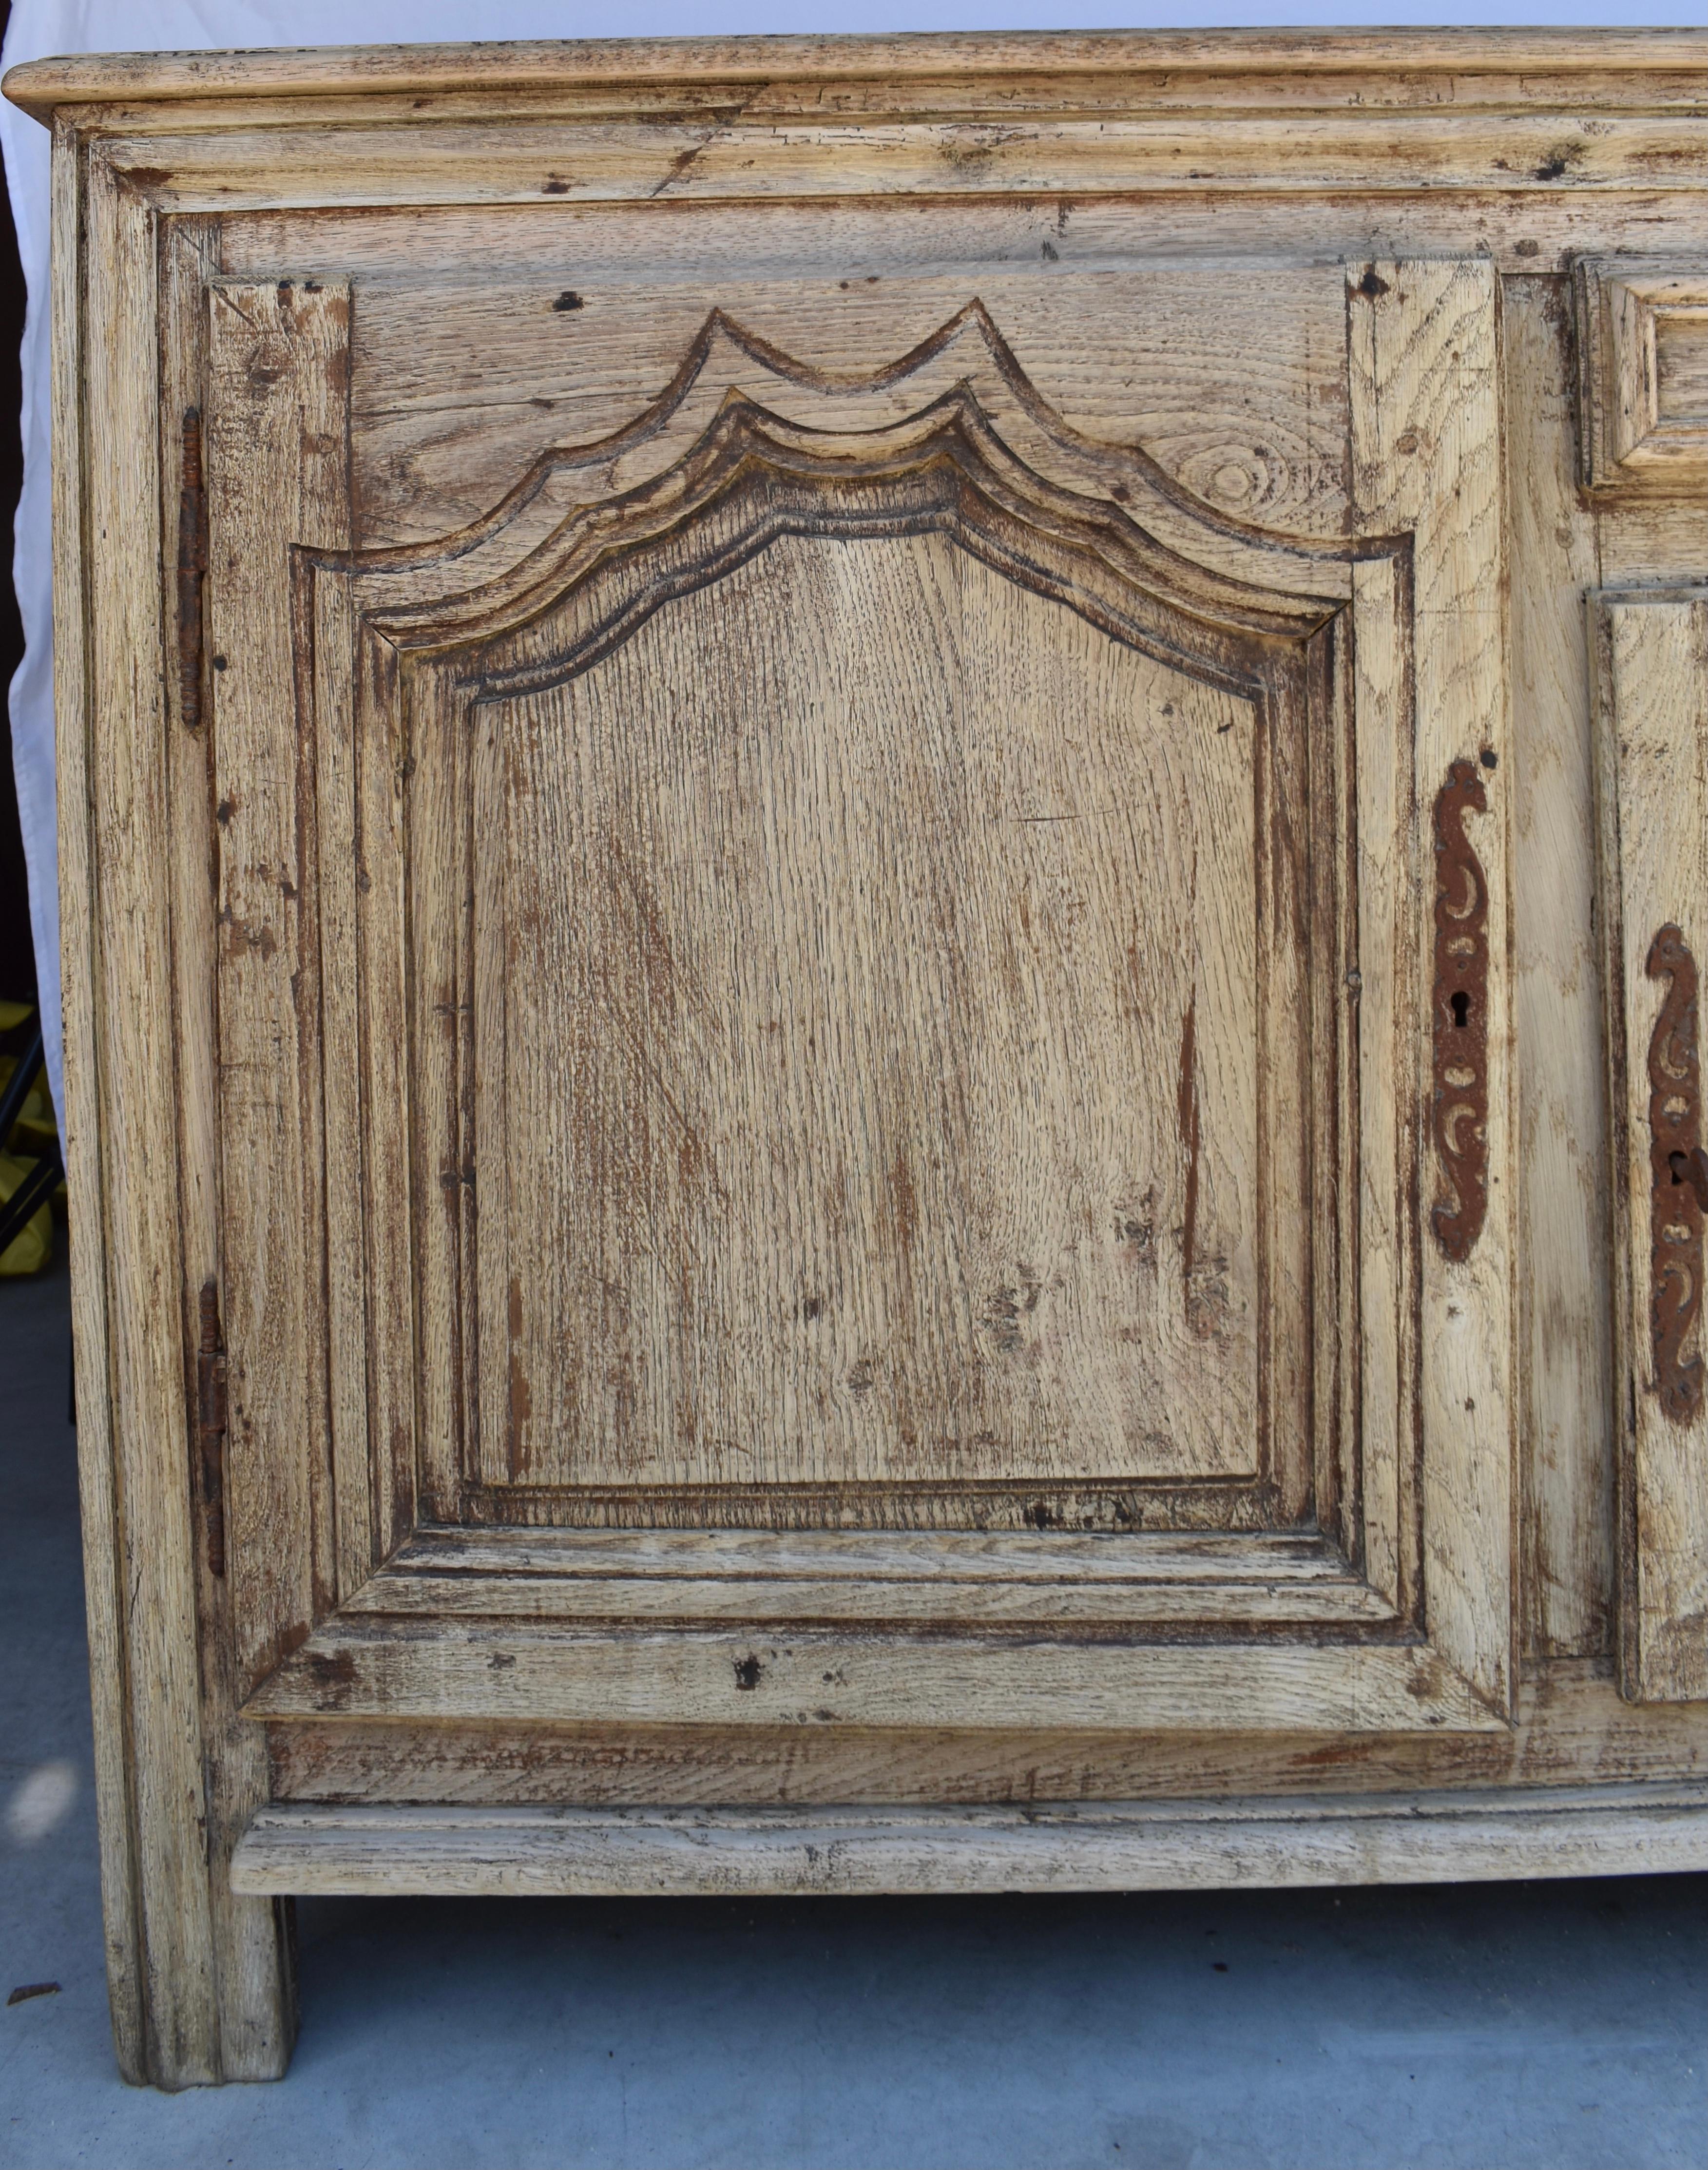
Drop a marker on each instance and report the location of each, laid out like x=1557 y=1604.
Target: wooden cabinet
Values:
x=845 y=824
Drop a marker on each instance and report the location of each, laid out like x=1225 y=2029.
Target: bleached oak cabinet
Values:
x=883 y=868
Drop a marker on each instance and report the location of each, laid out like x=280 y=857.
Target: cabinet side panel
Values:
x=120 y=1898
x=135 y=1084
x=257 y=2011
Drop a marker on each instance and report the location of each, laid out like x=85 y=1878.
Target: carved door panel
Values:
x=1651 y=653
x=863 y=1001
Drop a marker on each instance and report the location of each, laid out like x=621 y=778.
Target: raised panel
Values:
x=1642 y=334
x=880 y=1024
x=876 y=1057
x=905 y=936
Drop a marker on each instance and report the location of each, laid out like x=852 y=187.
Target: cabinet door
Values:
x=862 y=1000
x=1651 y=651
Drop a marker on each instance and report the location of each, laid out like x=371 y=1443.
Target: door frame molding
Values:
x=401 y=641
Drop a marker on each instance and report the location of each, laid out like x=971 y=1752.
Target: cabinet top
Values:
x=1149 y=70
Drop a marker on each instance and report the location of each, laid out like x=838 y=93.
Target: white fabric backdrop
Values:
x=40 y=27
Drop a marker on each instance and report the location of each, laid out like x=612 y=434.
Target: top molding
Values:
x=1177 y=69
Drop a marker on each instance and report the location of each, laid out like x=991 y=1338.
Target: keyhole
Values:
x=1461 y=1008
x=1690 y=1172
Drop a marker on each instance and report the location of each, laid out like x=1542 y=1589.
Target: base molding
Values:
x=1393 y=1838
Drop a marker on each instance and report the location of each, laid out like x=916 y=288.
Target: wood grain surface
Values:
x=1566 y=1331
x=254 y=1966
x=883 y=1014
x=1184 y=68
x=1573 y=1728
x=809 y=745
x=1593 y=1831
x=274 y=450
x=1427 y=455
x=1651 y=652
x=1236 y=387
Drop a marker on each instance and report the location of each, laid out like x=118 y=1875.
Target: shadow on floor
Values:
x=1557 y=2025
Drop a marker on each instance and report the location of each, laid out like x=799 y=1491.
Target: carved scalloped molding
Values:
x=732 y=385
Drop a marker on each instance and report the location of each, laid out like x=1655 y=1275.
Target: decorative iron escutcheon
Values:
x=1677 y=1177
x=1459 y=1101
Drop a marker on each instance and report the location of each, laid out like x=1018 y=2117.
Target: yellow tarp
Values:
x=32 y=1248
x=34 y=1133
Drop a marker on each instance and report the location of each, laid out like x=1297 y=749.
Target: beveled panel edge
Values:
x=890 y=1555
x=946 y=1583
x=1571 y=1728
x=806 y=1678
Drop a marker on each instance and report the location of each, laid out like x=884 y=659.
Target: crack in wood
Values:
x=211 y=1425
x=192 y=570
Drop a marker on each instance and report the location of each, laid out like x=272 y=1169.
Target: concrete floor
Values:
x=1551 y=2024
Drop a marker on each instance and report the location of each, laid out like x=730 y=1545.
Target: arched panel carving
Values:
x=752 y=478
x=425 y=592
x=1063 y=864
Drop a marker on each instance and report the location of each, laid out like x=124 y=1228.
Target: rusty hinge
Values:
x=210 y=1425
x=192 y=567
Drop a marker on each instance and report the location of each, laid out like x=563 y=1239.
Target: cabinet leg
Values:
x=201 y=1982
